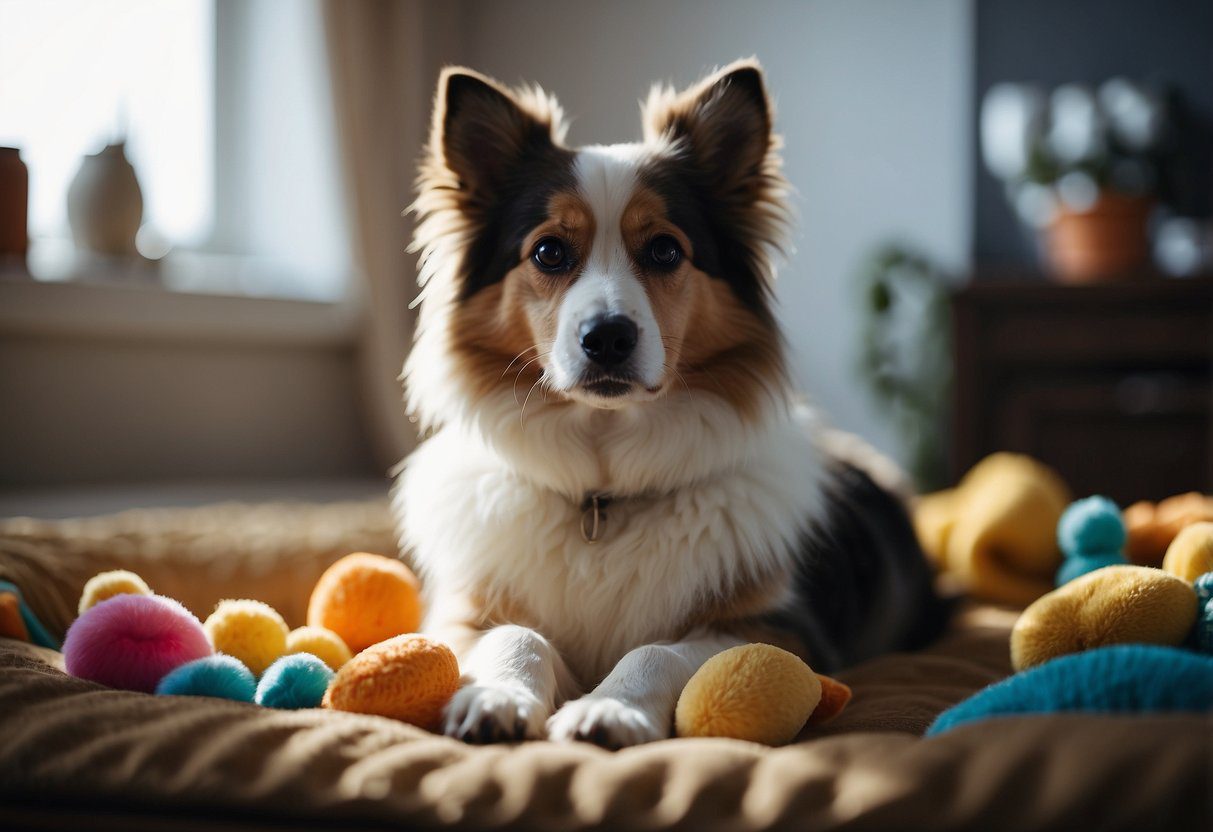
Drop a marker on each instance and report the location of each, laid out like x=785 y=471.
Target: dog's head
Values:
x=608 y=276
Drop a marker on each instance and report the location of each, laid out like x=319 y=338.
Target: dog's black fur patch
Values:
x=863 y=585
x=518 y=206
x=720 y=251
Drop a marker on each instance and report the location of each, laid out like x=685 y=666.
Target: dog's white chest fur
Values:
x=477 y=522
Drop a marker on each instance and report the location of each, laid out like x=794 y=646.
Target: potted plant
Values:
x=1081 y=168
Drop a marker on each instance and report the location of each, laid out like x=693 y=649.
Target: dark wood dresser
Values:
x=1111 y=384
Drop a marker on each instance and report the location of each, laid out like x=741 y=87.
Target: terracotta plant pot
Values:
x=14 y=207
x=1105 y=242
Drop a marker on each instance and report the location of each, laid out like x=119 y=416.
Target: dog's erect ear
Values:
x=724 y=122
x=481 y=129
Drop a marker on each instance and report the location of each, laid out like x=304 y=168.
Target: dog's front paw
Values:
x=605 y=721
x=488 y=713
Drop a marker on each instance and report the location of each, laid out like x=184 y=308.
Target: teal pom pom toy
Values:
x=1091 y=527
x=1122 y=678
x=1092 y=535
x=1202 y=631
x=297 y=680
x=219 y=676
x=1204 y=588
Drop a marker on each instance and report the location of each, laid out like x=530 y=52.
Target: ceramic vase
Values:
x=105 y=203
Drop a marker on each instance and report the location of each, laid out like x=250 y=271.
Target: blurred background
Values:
x=1004 y=236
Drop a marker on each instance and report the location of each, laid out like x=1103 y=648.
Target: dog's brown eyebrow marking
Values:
x=567 y=216
x=569 y=210
x=645 y=216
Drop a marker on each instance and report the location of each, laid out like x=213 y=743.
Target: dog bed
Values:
x=76 y=755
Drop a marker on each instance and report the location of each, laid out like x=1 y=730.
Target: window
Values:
x=76 y=75
x=225 y=107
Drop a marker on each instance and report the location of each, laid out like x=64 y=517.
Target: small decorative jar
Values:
x=14 y=209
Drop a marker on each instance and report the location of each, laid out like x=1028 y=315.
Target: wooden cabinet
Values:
x=1111 y=384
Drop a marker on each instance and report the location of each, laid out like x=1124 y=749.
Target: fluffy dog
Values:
x=617 y=484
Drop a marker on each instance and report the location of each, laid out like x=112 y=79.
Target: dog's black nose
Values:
x=609 y=340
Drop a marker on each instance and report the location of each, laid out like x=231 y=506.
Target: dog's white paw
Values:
x=490 y=713
x=611 y=723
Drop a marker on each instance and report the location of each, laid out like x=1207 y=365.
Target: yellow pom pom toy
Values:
x=321 y=643
x=250 y=631
x=409 y=678
x=1190 y=554
x=365 y=599
x=1112 y=605
x=106 y=585
x=756 y=692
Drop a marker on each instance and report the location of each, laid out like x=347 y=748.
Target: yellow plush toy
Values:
x=250 y=631
x=105 y=585
x=756 y=692
x=997 y=530
x=321 y=643
x=1112 y=605
x=1190 y=554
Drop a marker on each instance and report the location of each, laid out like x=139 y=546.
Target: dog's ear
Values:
x=482 y=129
x=723 y=123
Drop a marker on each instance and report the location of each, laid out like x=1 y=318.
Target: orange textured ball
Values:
x=365 y=599
x=408 y=677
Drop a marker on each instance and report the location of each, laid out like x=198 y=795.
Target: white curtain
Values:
x=384 y=57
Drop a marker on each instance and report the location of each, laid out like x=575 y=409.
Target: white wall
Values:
x=112 y=384
x=873 y=103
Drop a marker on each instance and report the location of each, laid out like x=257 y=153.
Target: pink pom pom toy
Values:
x=133 y=641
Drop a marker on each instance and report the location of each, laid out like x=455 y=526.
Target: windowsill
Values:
x=186 y=296
x=195 y=271
x=152 y=312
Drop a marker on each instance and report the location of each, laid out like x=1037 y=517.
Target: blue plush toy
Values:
x=1122 y=678
x=1091 y=533
x=297 y=680
x=220 y=676
x=18 y=621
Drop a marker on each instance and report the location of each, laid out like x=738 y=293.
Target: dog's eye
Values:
x=665 y=252
x=551 y=255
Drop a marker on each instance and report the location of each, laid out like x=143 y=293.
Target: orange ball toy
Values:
x=408 y=677
x=365 y=599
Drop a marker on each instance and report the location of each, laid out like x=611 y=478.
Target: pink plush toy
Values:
x=133 y=641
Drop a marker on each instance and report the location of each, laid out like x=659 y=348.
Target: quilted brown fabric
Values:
x=75 y=755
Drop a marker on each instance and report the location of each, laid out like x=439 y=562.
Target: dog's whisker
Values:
x=518 y=356
x=538 y=357
x=677 y=374
x=522 y=415
x=700 y=370
x=522 y=370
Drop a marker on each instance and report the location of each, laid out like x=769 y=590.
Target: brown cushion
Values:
x=77 y=755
